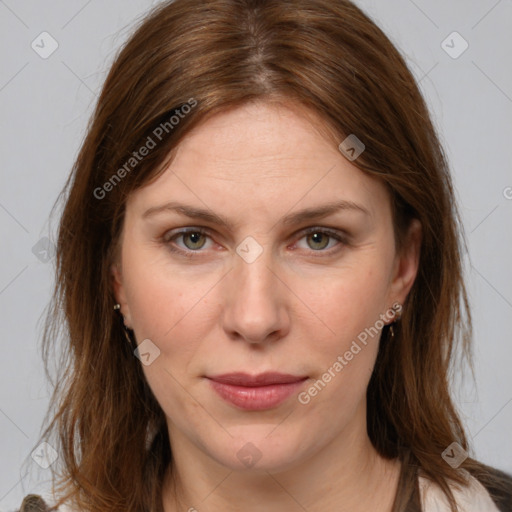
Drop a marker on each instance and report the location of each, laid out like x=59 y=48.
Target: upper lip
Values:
x=262 y=379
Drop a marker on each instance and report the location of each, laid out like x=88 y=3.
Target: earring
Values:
x=126 y=330
x=397 y=309
x=128 y=337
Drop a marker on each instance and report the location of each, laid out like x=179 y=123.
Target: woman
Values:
x=259 y=267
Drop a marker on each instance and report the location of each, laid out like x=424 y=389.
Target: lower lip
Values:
x=256 y=398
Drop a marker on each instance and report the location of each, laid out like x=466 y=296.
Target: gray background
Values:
x=45 y=105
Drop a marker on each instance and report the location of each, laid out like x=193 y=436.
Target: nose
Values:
x=255 y=304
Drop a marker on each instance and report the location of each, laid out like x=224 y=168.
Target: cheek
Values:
x=346 y=353
x=348 y=303
x=167 y=308
x=162 y=299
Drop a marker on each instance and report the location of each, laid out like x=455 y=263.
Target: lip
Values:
x=256 y=392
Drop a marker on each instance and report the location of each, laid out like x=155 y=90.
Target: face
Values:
x=225 y=267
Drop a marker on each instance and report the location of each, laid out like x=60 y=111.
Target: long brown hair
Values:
x=189 y=60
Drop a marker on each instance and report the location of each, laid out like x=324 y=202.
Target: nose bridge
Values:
x=254 y=307
x=254 y=276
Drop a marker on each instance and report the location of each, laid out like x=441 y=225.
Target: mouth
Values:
x=256 y=392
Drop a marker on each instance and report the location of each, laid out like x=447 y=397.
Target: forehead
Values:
x=268 y=133
x=262 y=155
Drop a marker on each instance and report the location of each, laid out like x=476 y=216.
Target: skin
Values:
x=295 y=309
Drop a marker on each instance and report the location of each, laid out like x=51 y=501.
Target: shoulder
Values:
x=33 y=503
x=491 y=495
x=44 y=503
x=499 y=486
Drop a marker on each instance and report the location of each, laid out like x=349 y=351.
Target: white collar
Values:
x=472 y=498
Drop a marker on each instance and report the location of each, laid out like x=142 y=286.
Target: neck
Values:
x=344 y=475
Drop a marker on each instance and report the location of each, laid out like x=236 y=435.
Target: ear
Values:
x=120 y=293
x=406 y=264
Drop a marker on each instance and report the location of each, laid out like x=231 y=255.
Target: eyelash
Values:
x=169 y=238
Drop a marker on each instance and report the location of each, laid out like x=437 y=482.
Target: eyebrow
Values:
x=307 y=214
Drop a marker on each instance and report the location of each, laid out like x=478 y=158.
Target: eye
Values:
x=192 y=240
x=319 y=239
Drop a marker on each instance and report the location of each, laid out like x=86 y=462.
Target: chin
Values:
x=260 y=449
